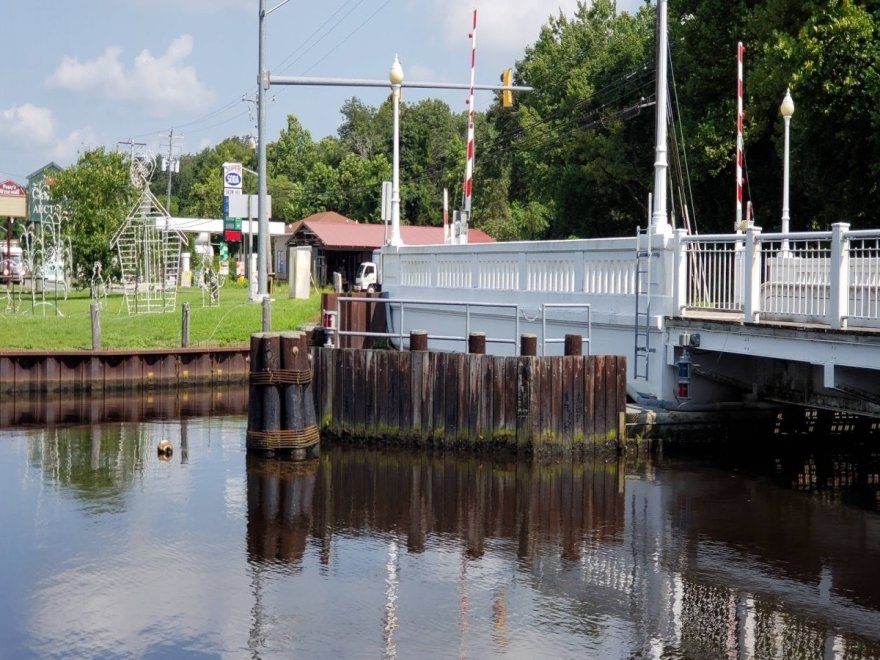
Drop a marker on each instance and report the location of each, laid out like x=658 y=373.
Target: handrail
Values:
x=545 y=340
x=403 y=302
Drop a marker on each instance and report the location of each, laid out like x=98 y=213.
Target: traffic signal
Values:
x=507 y=95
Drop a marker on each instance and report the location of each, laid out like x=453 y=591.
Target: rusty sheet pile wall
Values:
x=117 y=370
x=556 y=404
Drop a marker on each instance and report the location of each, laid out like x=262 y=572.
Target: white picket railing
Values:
x=829 y=278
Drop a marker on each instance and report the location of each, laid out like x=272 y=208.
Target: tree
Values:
x=98 y=195
x=827 y=53
x=578 y=147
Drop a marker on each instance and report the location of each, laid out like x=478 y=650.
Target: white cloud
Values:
x=162 y=85
x=28 y=124
x=34 y=129
x=502 y=25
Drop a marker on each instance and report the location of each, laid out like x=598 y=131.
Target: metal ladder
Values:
x=642 y=322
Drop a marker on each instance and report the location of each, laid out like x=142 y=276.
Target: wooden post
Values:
x=184 y=325
x=528 y=345
x=95 y=309
x=418 y=340
x=255 y=399
x=270 y=359
x=477 y=343
x=574 y=345
x=267 y=314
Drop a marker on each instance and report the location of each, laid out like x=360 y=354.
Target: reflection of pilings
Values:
x=280 y=498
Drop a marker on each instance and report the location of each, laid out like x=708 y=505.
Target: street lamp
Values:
x=396 y=78
x=786 y=110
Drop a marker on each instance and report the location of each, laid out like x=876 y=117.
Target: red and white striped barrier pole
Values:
x=740 y=49
x=469 y=165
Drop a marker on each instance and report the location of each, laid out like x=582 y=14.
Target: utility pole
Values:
x=170 y=166
x=131 y=145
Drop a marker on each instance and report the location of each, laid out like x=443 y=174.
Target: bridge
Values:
x=787 y=318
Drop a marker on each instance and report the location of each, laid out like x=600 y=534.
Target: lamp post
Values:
x=786 y=110
x=396 y=79
x=262 y=204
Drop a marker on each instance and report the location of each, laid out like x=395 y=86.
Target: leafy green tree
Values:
x=827 y=52
x=432 y=157
x=98 y=195
x=579 y=146
x=293 y=155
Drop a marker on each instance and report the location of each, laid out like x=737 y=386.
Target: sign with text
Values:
x=13 y=200
x=233 y=174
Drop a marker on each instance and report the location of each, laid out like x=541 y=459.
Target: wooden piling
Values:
x=477 y=343
x=574 y=345
x=528 y=345
x=95 y=311
x=418 y=340
x=184 y=325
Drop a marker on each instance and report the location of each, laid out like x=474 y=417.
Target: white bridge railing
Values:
x=828 y=278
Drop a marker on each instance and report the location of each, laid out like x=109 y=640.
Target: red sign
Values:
x=232 y=235
x=10 y=188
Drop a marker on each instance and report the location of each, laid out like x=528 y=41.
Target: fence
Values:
x=828 y=278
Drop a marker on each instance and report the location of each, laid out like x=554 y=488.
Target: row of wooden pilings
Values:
x=526 y=403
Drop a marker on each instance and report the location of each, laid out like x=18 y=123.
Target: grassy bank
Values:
x=53 y=324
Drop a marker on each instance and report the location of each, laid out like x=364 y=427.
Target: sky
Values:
x=79 y=74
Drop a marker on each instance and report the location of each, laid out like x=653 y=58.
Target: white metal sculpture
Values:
x=46 y=250
x=148 y=252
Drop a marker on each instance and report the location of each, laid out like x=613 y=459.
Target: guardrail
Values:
x=333 y=331
x=829 y=278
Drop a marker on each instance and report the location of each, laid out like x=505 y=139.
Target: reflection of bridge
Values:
x=615 y=553
x=792 y=318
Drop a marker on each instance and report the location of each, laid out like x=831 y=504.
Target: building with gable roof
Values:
x=340 y=244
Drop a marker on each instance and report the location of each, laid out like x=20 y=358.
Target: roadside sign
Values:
x=233 y=174
x=13 y=200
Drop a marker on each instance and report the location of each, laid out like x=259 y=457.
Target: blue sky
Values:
x=85 y=73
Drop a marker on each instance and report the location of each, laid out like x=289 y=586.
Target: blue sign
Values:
x=232 y=179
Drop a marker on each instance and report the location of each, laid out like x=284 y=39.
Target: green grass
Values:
x=43 y=325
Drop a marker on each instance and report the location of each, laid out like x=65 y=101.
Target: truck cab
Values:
x=367 y=278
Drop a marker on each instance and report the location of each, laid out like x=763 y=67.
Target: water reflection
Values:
x=717 y=565
x=41 y=409
x=111 y=551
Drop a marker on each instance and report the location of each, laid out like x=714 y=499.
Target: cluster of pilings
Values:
x=281 y=406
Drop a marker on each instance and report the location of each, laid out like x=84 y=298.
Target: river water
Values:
x=109 y=551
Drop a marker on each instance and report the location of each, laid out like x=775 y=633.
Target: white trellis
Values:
x=148 y=252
